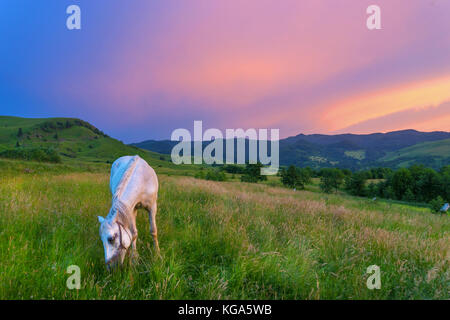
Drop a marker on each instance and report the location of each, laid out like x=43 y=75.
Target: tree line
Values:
x=417 y=183
x=414 y=184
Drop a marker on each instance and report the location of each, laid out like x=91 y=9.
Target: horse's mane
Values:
x=125 y=177
x=118 y=208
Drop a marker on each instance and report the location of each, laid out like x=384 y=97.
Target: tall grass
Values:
x=219 y=240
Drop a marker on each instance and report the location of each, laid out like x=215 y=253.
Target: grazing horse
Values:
x=133 y=184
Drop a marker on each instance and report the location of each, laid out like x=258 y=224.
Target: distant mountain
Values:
x=353 y=151
x=356 y=151
x=161 y=146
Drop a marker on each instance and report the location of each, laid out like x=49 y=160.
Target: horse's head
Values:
x=116 y=241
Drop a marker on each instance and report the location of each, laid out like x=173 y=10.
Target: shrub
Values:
x=234 y=168
x=294 y=177
x=436 y=204
x=211 y=174
x=356 y=184
x=409 y=196
x=37 y=154
x=200 y=174
x=215 y=175
x=252 y=173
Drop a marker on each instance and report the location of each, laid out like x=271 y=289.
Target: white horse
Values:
x=133 y=184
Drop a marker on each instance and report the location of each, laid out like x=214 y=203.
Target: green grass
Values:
x=219 y=240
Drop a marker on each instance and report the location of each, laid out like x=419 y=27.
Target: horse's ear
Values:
x=100 y=219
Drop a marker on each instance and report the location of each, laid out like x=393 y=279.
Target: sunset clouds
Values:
x=141 y=70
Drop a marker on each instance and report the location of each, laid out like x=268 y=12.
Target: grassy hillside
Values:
x=72 y=138
x=433 y=154
x=76 y=141
x=224 y=240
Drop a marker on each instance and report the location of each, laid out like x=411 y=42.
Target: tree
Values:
x=289 y=176
x=445 y=185
x=20 y=133
x=356 y=184
x=332 y=178
x=346 y=172
x=372 y=190
x=295 y=178
x=215 y=175
x=305 y=175
x=436 y=204
x=409 y=196
x=401 y=182
x=252 y=173
x=428 y=185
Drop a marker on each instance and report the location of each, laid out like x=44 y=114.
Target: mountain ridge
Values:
x=353 y=151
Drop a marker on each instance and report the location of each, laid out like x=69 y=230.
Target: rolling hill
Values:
x=74 y=140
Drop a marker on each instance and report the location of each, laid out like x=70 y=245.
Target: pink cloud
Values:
x=272 y=63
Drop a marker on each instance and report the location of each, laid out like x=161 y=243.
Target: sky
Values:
x=140 y=69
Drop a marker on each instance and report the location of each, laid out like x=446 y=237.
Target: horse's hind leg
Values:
x=153 y=228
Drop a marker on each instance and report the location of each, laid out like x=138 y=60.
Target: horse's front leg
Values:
x=134 y=252
x=153 y=228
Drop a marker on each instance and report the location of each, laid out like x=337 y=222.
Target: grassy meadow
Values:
x=219 y=240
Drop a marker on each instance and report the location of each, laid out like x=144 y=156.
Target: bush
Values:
x=252 y=173
x=409 y=196
x=37 y=154
x=215 y=175
x=212 y=174
x=436 y=204
x=356 y=184
x=200 y=174
x=234 y=168
x=294 y=177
